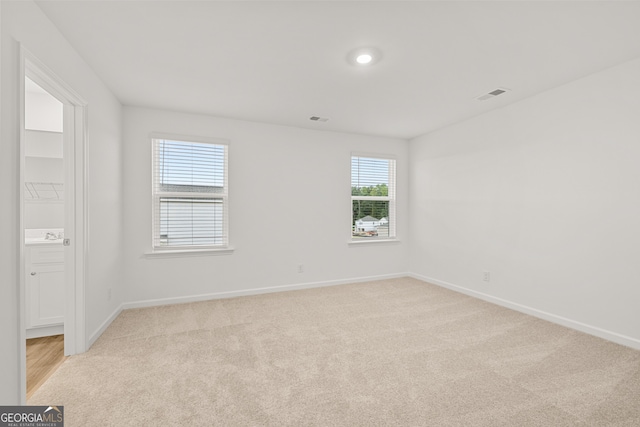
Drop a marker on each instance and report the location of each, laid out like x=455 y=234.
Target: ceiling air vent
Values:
x=318 y=119
x=492 y=94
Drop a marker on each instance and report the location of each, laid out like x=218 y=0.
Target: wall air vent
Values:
x=318 y=119
x=492 y=94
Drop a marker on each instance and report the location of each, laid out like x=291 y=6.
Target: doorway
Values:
x=44 y=222
x=52 y=210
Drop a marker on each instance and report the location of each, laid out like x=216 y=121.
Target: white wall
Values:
x=289 y=205
x=545 y=195
x=25 y=23
x=43 y=164
x=43 y=144
x=41 y=215
x=9 y=353
x=42 y=111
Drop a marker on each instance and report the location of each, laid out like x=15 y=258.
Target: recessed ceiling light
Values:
x=364 y=56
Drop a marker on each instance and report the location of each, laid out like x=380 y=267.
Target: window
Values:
x=373 y=192
x=190 y=191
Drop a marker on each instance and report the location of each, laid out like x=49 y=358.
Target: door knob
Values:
x=33 y=273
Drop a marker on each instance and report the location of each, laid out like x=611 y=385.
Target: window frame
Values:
x=157 y=195
x=391 y=198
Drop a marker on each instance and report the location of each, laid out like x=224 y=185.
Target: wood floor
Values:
x=44 y=356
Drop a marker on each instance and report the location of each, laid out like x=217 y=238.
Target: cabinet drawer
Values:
x=47 y=254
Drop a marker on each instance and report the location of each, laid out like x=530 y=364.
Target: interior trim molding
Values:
x=553 y=318
x=103 y=327
x=255 y=291
x=45 y=331
x=563 y=321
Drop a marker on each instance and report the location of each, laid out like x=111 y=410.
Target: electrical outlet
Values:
x=486 y=276
x=300 y=268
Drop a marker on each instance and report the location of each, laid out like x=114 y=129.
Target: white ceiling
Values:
x=282 y=62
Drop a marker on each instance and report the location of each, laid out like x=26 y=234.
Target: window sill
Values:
x=373 y=242
x=177 y=253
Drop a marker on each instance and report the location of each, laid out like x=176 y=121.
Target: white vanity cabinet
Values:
x=45 y=286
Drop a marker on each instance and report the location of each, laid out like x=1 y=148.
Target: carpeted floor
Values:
x=395 y=352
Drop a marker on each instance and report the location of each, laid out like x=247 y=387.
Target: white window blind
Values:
x=373 y=193
x=189 y=194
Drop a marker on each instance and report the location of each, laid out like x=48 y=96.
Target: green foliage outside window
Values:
x=377 y=209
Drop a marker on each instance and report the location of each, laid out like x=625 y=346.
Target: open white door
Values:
x=75 y=211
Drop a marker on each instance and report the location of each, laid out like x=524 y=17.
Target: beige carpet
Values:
x=395 y=352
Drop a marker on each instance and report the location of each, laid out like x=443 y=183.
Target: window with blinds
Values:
x=373 y=192
x=190 y=191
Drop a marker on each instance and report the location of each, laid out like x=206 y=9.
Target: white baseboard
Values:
x=230 y=294
x=103 y=327
x=254 y=291
x=45 y=331
x=569 y=323
x=579 y=326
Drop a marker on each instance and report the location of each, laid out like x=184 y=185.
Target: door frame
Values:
x=75 y=205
